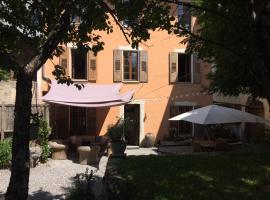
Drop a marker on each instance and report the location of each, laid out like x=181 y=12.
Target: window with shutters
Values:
x=184 y=68
x=79 y=64
x=131 y=65
x=180 y=128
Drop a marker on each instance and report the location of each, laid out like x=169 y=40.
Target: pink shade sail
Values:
x=91 y=95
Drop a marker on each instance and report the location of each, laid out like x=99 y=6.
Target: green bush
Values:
x=119 y=131
x=43 y=138
x=5 y=153
x=82 y=187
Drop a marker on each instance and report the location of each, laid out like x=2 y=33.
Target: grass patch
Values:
x=228 y=176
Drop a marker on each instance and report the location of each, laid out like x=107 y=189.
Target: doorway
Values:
x=78 y=121
x=132 y=112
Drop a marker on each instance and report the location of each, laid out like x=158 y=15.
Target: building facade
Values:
x=166 y=81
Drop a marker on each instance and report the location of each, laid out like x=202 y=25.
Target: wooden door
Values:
x=132 y=113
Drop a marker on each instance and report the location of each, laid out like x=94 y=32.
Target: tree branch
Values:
x=112 y=13
x=188 y=32
x=196 y=7
x=49 y=46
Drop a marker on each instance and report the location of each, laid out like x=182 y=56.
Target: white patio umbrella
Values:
x=214 y=114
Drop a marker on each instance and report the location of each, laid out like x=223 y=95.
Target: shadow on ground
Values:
x=44 y=195
x=39 y=195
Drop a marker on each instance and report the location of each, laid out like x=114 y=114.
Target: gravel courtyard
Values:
x=49 y=181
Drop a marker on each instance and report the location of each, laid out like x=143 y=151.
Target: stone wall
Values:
x=7 y=92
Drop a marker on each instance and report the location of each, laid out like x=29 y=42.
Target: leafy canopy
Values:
x=30 y=28
x=234 y=36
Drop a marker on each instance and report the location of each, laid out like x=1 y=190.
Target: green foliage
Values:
x=5 y=152
x=235 y=38
x=82 y=187
x=119 y=131
x=43 y=138
x=4 y=75
x=28 y=28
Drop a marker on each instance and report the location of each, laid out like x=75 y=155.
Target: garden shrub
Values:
x=5 y=153
x=82 y=187
x=148 y=141
x=43 y=138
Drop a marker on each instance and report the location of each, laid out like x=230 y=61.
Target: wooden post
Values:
x=46 y=113
x=2 y=121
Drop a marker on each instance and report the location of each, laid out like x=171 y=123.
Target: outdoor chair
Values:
x=88 y=154
x=59 y=151
x=84 y=152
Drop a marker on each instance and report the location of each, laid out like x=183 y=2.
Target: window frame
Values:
x=190 y=70
x=71 y=67
x=179 y=134
x=138 y=66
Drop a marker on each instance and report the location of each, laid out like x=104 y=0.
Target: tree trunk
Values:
x=20 y=169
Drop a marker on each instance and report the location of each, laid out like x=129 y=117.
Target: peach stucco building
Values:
x=165 y=81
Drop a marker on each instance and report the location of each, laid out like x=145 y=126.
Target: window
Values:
x=78 y=120
x=79 y=64
x=131 y=65
x=180 y=128
x=184 y=16
x=184 y=68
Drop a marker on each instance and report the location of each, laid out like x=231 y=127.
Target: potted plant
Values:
x=34 y=125
x=116 y=133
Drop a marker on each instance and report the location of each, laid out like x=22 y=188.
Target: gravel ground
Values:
x=140 y=151
x=49 y=181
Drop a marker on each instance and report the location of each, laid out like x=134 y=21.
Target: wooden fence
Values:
x=7 y=117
